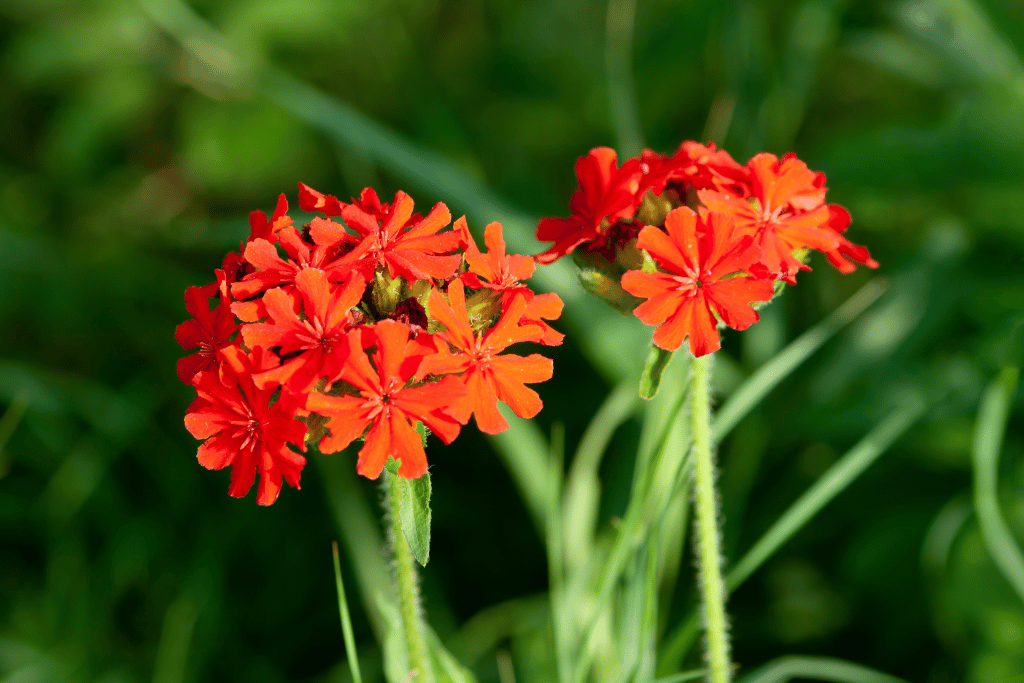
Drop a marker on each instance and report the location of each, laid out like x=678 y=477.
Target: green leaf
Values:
x=415 y=515
x=657 y=360
x=988 y=439
x=524 y=450
x=359 y=528
x=769 y=375
x=346 y=621
x=682 y=676
x=447 y=668
x=818 y=669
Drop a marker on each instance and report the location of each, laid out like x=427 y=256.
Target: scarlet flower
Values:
x=698 y=253
x=408 y=246
x=786 y=211
x=370 y=203
x=605 y=192
x=262 y=228
x=209 y=331
x=494 y=269
x=310 y=200
x=385 y=403
x=488 y=376
x=244 y=428
x=316 y=344
x=274 y=271
x=502 y=272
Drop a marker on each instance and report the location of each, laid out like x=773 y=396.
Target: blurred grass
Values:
x=131 y=154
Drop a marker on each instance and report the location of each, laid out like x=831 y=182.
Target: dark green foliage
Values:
x=135 y=140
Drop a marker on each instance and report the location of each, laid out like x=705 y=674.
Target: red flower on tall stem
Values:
x=699 y=252
x=244 y=426
x=487 y=375
x=386 y=403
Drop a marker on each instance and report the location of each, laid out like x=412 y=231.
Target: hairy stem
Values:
x=712 y=587
x=408 y=589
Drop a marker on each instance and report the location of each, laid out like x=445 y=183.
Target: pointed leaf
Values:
x=415 y=516
x=988 y=438
x=817 y=668
x=654 y=368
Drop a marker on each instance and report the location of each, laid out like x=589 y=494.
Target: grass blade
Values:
x=833 y=482
x=649 y=621
x=171 y=661
x=682 y=676
x=828 y=486
x=988 y=439
x=346 y=621
x=8 y=423
x=555 y=542
x=634 y=528
x=619 y=68
x=769 y=375
x=360 y=533
x=818 y=669
x=582 y=486
x=524 y=451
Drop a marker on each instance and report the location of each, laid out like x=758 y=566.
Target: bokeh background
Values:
x=137 y=136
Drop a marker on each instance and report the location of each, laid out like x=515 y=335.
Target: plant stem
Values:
x=408 y=589
x=712 y=587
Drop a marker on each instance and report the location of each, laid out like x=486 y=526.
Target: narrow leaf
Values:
x=447 y=668
x=682 y=676
x=654 y=368
x=818 y=669
x=346 y=621
x=583 y=486
x=833 y=482
x=769 y=375
x=8 y=423
x=988 y=439
x=524 y=450
x=359 y=528
x=415 y=515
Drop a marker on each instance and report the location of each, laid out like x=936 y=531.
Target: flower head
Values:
x=209 y=331
x=337 y=339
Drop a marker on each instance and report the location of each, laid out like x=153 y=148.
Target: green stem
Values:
x=712 y=587
x=408 y=590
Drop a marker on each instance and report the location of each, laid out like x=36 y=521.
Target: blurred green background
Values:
x=136 y=137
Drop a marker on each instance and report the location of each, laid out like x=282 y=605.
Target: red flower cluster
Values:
x=718 y=234
x=362 y=327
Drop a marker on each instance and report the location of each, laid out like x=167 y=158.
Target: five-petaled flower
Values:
x=487 y=375
x=245 y=426
x=385 y=402
x=699 y=254
x=785 y=211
